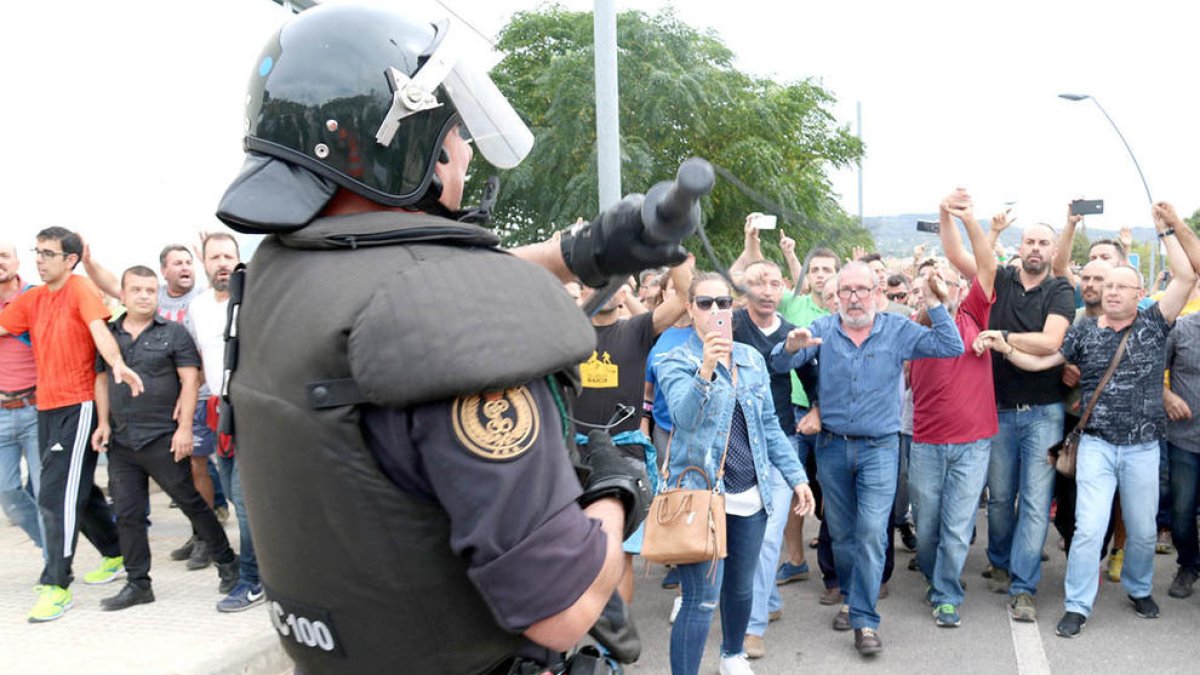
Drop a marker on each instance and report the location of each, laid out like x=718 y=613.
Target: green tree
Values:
x=1194 y=221
x=1079 y=246
x=680 y=97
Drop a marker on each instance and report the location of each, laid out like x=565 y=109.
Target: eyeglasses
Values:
x=47 y=254
x=705 y=302
x=860 y=291
x=902 y=295
x=1120 y=287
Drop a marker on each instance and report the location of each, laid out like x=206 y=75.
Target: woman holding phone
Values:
x=719 y=396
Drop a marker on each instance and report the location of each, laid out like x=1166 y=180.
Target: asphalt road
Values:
x=1115 y=640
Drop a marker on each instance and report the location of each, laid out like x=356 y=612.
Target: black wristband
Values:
x=1166 y=233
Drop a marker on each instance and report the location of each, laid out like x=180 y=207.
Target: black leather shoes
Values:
x=130 y=595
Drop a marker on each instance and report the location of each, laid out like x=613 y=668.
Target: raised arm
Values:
x=1184 y=234
x=795 y=266
x=1183 y=276
x=751 y=246
x=672 y=309
x=952 y=243
x=985 y=260
x=1061 y=265
x=105 y=280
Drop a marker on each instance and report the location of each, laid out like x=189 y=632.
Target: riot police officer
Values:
x=398 y=382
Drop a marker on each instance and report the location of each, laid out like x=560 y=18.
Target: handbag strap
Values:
x=1103 y=381
x=666 y=466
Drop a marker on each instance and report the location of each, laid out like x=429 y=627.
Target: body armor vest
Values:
x=408 y=308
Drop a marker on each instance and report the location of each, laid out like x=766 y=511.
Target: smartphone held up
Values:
x=764 y=222
x=723 y=323
x=1087 y=207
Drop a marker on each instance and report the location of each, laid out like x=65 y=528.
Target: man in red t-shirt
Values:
x=66 y=322
x=954 y=418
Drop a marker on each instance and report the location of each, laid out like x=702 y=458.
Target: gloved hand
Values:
x=615 y=244
x=615 y=475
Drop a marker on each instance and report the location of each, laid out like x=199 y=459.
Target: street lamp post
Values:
x=1080 y=97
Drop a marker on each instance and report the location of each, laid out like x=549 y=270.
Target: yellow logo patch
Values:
x=599 y=372
x=498 y=426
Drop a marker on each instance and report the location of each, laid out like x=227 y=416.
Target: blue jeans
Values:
x=766 y=594
x=1185 y=484
x=858 y=476
x=1163 y=518
x=232 y=483
x=1100 y=469
x=1018 y=467
x=19 y=436
x=945 y=481
x=733 y=587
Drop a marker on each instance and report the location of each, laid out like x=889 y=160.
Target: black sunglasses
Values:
x=902 y=295
x=705 y=302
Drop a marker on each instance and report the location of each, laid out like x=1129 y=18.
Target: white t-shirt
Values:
x=208 y=323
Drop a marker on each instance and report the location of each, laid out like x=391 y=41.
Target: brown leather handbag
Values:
x=1062 y=455
x=687 y=526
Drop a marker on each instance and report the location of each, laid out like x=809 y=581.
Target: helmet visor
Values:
x=496 y=129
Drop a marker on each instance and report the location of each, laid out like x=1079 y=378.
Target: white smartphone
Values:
x=764 y=222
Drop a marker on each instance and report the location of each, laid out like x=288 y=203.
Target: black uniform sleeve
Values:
x=499 y=467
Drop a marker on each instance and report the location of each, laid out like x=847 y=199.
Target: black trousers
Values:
x=128 y=471
x=68 y=498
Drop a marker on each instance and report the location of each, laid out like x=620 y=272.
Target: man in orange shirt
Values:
x=66 y=322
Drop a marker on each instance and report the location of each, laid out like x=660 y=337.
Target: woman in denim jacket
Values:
x=718 y=390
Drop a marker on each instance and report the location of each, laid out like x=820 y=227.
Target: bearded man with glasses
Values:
x=861 y=357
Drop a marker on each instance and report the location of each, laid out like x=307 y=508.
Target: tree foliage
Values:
x=681 y=96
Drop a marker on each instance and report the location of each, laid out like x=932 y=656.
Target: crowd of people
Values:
x=876 y=394
x=507 y=449
x=79 y=380
x=909 y=390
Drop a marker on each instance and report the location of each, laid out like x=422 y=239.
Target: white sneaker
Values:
x=735 y=665
x=675 y=607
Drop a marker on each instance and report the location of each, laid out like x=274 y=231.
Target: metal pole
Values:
x=1145 y=186
x=608 y=129
x=861 y=222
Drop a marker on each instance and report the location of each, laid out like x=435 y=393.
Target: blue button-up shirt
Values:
x=859 y=383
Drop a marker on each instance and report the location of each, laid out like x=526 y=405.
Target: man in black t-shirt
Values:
x=1033 y=310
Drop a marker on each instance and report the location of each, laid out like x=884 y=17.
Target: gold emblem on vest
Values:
x=498 y=426
x=599 y=372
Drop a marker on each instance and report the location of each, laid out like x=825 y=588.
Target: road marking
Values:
x=1027 y=643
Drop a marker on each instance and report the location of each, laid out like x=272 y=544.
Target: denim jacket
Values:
x=702 y=412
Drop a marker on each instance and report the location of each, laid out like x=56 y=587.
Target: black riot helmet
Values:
x=362 y=98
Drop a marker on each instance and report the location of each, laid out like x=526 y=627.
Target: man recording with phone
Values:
x=408 y=467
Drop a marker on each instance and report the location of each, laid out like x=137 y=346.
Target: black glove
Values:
x=615 y=475
x=615 y=245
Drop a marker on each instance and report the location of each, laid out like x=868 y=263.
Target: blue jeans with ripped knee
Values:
x=731 y=588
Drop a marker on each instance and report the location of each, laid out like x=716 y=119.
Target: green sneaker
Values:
x=109 y=569
x=946 y=616
x=53 y=602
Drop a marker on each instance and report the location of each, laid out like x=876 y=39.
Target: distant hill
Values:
x=897 y=235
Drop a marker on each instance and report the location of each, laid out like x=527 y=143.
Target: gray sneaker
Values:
x=999 y=581
x=1022 y=608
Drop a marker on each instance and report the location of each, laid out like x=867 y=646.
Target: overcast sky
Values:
x=123 y=120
